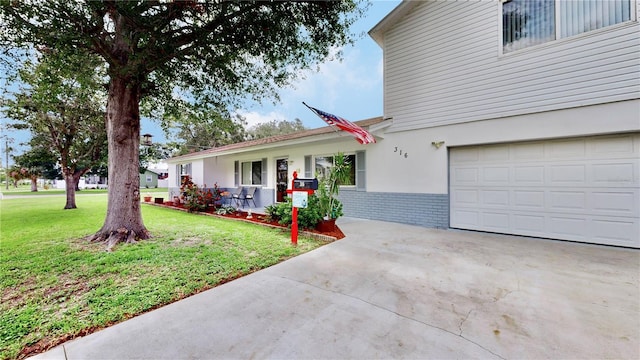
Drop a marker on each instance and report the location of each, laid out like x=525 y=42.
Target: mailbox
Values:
x=305 y=184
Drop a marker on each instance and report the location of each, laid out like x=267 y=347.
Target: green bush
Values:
x=225 y=210
x=308 y=217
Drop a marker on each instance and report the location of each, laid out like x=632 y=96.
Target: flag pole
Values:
x=335 y=128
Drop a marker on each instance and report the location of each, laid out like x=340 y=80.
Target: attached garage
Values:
x=579 y=189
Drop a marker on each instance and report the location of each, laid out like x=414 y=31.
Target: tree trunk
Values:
x=34 y=183
x=124 y=218
x=70 y=183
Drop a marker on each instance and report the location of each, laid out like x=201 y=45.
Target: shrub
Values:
x=308 y=217
x=225 y=210
x=195 y=198
x=271 y=212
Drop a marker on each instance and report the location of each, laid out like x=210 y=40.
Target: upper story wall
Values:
x=444 y=65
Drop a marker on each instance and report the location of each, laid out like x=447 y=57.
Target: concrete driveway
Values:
x=395 y=291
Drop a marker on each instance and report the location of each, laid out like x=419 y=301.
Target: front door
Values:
x=282 y=179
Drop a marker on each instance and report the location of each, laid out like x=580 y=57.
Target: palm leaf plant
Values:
x=329 y=187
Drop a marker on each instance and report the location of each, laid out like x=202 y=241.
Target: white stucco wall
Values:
x=220 y=168
x=425 y=169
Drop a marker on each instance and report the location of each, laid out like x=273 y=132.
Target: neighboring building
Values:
x=85 y=182
x=149 y=179
x=513 y=117
x=163 y=173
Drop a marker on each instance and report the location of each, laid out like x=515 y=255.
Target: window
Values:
x=531 y=22
x=325 y=163
x=183 y=170
x=252 y=172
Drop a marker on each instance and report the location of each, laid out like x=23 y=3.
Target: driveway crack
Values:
x=401 y=315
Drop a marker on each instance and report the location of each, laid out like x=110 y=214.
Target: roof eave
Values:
x=377 y=32
x=324 y=136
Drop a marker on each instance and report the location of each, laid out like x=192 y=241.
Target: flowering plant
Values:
x=194 y=198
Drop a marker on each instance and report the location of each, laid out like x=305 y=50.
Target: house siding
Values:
x=443 y=65
x=429 y=210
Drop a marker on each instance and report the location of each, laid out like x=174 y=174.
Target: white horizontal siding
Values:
x=443 y=66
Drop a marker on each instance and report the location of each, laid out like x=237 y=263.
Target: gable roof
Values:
x=377 y=32
x=277 y=140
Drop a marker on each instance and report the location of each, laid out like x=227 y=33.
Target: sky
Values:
x=351 y=88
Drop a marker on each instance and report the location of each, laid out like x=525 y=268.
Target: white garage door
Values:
x=583 y=189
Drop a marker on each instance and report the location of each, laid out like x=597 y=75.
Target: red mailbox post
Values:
x=294 y=211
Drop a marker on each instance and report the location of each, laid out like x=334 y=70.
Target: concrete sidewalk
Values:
x=396 y=291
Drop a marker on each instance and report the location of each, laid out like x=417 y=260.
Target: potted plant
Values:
x=328 y=189
x=147 y=197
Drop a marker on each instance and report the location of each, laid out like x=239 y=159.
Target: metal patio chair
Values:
x=235 y=196
x=249 y=195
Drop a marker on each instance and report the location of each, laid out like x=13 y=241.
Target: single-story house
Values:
x=149 y=179
x=511 y=116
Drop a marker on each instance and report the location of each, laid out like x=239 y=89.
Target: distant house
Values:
x=149 y=179
x=512 y=117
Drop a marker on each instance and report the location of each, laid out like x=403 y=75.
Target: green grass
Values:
x=55 y=285
x=26 y=190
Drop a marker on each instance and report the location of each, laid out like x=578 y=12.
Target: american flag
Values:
x=361 y=135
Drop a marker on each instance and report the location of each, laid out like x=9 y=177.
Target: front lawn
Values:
x=56 y=286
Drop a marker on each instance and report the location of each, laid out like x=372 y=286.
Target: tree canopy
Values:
x=274 y=127
x=216 y=52
x=200 y=127
x=63 y=108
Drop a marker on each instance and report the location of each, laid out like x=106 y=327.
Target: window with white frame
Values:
x=527 y=23
x=183 y=171
x=252 y=172
x=325 y=163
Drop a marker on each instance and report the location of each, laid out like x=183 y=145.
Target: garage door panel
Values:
x=529 y=223
x=615 y=231
x=495 y=221
x=468 y=219
x=571 y=228
x=566 y=175
x=463 y=155
x=612 y=146
x=466 y=197
x=585 y=189
x=495 y=175
x=613 y=174
x=497 y=153
x=528 y=151
x=529 y=175
x=465 y=176
x=492 y=198
x=567 y=200
x=530 y=199
x=616 y=203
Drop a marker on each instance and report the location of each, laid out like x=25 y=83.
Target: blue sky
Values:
x=351 y=88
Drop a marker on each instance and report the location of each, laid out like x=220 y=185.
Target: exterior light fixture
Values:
x=437 y=144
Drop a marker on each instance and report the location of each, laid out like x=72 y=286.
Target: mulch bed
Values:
x=336 y=234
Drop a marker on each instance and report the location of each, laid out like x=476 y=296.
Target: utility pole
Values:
x=7 y=150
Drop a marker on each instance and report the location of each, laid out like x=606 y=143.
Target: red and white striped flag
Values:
x=361 y=135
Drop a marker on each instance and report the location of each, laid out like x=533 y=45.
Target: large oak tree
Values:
x=216 y=51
